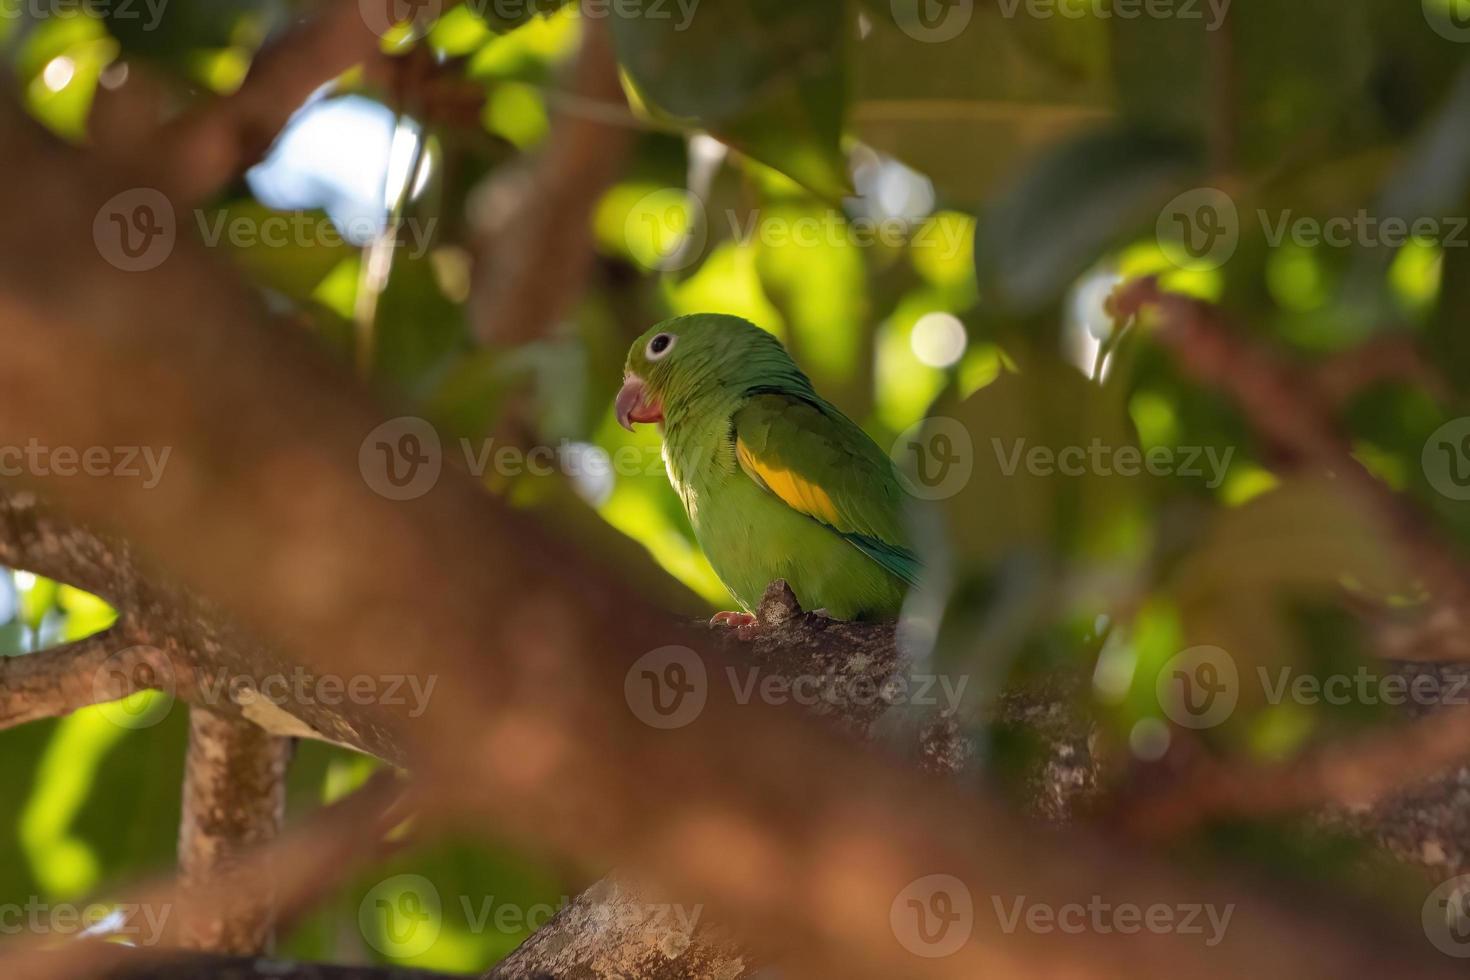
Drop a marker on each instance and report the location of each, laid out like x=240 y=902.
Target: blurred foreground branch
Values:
x=803 y=843
x=607 y=932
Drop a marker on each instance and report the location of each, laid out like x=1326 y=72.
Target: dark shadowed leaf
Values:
x=1081 y=198
x=969 y=107
x=767 y=77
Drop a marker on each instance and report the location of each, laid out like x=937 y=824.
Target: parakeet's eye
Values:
x=660 y=345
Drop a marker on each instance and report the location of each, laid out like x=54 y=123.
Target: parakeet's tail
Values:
x=897 y=559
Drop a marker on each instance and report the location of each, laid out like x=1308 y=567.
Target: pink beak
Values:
x=635 y=404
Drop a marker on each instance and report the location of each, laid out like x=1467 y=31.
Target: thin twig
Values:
x=104 y=667
x=377 y=258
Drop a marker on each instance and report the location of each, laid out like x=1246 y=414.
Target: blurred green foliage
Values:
x=931 y=221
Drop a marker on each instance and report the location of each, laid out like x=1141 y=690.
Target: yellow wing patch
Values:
x=796 y=492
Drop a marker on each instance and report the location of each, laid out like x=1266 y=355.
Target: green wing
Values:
x=820 y=463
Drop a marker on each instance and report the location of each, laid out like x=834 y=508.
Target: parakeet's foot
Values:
x=735 y=619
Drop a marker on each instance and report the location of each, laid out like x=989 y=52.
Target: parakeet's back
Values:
x=777 y=482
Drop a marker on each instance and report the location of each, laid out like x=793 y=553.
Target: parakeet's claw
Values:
x=733 y=619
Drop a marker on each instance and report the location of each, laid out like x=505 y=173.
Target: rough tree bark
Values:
x=167 y=638
x=605 y=932
x=234 y=800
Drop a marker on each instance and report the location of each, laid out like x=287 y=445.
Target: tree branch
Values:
x=1396 y=357
x=1287 y=410
x=106 y=666
x=199 y=654
x=1354 y=773
x=613 y=930
x=234 y=800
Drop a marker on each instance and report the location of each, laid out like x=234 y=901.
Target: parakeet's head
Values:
x=702 y=356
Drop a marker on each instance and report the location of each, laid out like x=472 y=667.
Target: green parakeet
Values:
x=777 y=482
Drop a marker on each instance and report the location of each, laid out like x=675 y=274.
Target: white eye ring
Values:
x=655 y=355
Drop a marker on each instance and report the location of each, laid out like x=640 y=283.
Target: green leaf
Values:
x=37 y=601
x=798 y=131
x=1022 y=508
x=1015 y=501
x=1448 y=340
x=1077 y=201
x=290 y=252
x=1303 y=538
x=145 y=768
x=509 y=16
x=1290 y=75
x=767 y=77
x=418 y=329
x=818 y=284
x=1267 y=577
x=85 y=613
x=174 y=35
x=1430 y=181
x=972 y=109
